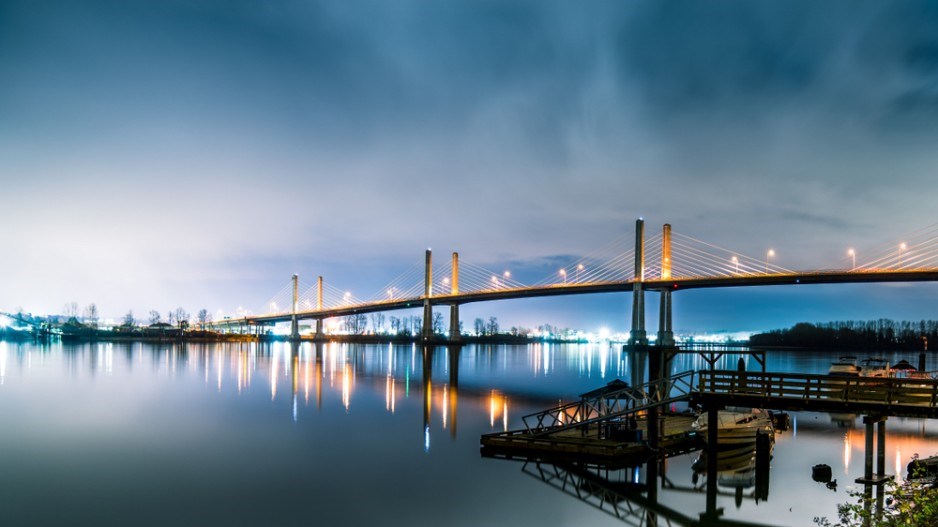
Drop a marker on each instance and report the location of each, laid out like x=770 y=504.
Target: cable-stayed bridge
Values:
x=664 y=263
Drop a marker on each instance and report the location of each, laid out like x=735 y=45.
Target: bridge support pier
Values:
x=427 y=330
x=454 y=334
x=638 y=337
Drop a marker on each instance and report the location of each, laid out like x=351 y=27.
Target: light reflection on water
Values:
x=259 y=432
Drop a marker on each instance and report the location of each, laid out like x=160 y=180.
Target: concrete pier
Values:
x=454 y=334
x=638 y=336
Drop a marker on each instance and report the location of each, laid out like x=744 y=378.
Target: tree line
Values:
x=853 y=334
x=90 y=318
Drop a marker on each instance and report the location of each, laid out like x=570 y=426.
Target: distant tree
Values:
x=70 y=310
x=479 y=326
x=492 y=326
x=91 y=315
x=182 y=316
x=154 y=317
x=377 y=322
x=129 y=320
x=355 y=324
x=395 y=325
x=171 y=318
x=438 y=323
x=203 y=317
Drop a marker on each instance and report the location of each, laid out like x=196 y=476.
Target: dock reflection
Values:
x=633 y=492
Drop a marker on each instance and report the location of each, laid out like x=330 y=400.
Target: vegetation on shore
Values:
x=912 y=503
x=882 y=334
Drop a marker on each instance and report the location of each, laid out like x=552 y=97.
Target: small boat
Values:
x=845 y=366
x=738 y=427
x=875 y=368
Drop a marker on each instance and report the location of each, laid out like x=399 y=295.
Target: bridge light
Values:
x=735 y=261
x=563 y=274
x=853 y=254
x=770 y=253
x=579 y=268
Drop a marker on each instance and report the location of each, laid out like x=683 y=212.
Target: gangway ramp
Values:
x=606 y=404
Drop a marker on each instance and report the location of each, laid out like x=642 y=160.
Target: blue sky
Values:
x=156 y=154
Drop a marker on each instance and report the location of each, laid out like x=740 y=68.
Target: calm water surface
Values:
x=255 y=434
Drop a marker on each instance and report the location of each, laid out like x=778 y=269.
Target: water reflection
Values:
x=328 y=407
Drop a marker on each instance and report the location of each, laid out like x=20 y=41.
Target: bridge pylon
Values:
x=294 y=324
x=665 y=331
x=638 y=337
x=454 y=334
x=319 y=333
x=427 y=330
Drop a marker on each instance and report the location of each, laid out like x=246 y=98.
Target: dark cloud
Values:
x=310 y=133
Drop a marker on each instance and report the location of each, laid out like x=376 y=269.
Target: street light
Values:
x=579 y=268
x=495 y=281
x=902 y=247
x=563 y=274
x=391 y=294
x=770 y=253
x=347 y=296
x=446 y=283
x=853 y=254
x=736 y=263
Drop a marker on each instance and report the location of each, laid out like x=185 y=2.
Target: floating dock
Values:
x=598 y=443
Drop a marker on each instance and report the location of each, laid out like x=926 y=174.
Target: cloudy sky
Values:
x=196 y=153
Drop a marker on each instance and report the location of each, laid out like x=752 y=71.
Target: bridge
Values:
x=677 y=262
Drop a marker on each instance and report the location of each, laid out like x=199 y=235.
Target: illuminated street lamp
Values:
x=347 y=296
x=563 y=274
x=495 y=281
x=579 y=268
x=391 y=294
x=902 y=247
x=446 y=283
x=735 y=261
x=853 y=254
x=770 y=253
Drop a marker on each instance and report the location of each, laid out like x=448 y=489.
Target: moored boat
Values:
x=845 y=366
x=737 y=427
x=875 y=367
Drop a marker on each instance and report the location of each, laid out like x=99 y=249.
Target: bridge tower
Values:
x=665 y=331
x=319 y=333
x=294 y=324
x=454 y=308
x=427 y=330
x=638 y=336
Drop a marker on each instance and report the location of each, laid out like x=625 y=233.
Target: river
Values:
x=265 y=434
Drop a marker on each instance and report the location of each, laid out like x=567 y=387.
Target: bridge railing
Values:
x=610 y=404
x=875 y=390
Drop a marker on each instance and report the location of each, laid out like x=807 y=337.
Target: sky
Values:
x=197 y=153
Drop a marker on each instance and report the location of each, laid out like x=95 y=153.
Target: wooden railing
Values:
x=806 y=387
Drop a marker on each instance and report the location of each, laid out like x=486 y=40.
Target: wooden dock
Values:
x=819 y=393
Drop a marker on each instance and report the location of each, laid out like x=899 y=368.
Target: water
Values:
x=253 y=434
